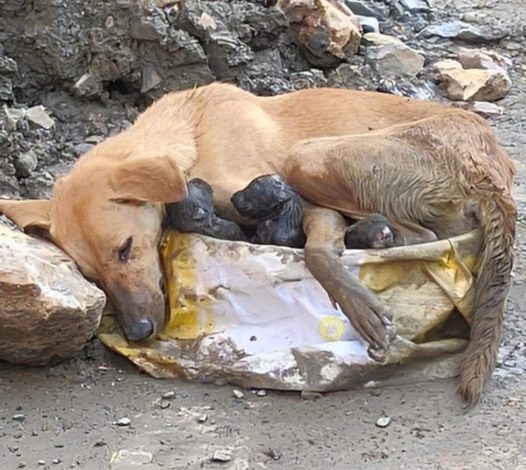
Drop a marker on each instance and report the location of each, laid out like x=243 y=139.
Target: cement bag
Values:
x=254 y=316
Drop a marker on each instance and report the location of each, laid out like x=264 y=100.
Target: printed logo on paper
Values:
x=332 y=328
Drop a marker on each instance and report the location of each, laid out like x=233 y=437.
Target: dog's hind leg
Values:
x=325 y=230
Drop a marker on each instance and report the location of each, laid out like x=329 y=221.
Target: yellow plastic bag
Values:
x=254 y=316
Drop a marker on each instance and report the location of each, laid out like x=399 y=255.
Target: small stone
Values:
x=465 y=31
x=223 y=455
x=56 y=461
x=26 y=163
x=41 y=462
x=369 y=24
x=390 y=56
x=306 y=395
x=367 y=9
x=509 y=363
x=202 y=418
x=261 y=393
x=19 y=417
x=123 y=422
x=164 y=404
x=415 y=6
x=486 y=109
x=150 y=78
x=238 y=394
x=383 y=421
x=273 y=454
x=38 y=115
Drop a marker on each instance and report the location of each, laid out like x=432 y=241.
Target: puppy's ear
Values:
x=31 y=215
x=153 y=179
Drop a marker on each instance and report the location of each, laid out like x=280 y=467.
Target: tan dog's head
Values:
x=107 y=215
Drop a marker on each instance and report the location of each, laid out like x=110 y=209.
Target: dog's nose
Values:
x=141 y=330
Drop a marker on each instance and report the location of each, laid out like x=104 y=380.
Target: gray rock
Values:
x=149 y=28
x=26 y=163
x=416 y=6
x=486 y=109
x=368 y=9
x=464 y=31
x=6 y=89
x=390 y=56
x=369 y=24
x=308 y=79
x=47 y=309
x=7 y=65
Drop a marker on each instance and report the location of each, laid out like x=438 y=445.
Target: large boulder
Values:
x=327 y=31
x=47 y=309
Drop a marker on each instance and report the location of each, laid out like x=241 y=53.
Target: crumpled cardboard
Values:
x=254 y=316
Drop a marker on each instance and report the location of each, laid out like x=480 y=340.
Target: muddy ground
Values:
x=66 y=416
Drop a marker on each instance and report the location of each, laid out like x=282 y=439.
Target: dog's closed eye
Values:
x=125 y=250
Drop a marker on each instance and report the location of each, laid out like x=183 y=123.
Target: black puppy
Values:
x=196 y=214
x=375 y=231
x=279 y=210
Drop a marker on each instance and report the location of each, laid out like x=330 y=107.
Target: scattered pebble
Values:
x=123 y=422
x=383 y=421
x=164 y=404
x=41 y=462
x=168 y=395
x=19 y=417
x=238 y=394
x=202 y=418
x=222 y=455
x=261 y=393
x=56 y=461
x=306 y=395
x=273 y=453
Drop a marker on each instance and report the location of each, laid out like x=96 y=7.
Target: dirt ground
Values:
x=67 y=416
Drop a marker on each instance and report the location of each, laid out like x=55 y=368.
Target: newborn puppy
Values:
x=279 y=210
x=374 y=231
x=196 y=214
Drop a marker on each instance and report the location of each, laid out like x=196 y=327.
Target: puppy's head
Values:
x=263 y=197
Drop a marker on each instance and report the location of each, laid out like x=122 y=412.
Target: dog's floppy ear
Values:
x=152 y=179
x=31 y=215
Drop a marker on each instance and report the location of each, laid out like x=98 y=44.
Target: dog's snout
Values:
x=140 y=330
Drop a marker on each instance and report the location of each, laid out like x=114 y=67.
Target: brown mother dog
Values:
x=432 y=170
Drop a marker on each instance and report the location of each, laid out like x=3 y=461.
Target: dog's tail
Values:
x=497 y=212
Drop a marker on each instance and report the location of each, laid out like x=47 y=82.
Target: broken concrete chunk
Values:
x=390 y=56
x=47 y=309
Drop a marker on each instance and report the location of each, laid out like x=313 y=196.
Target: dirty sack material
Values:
x=254 y=316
